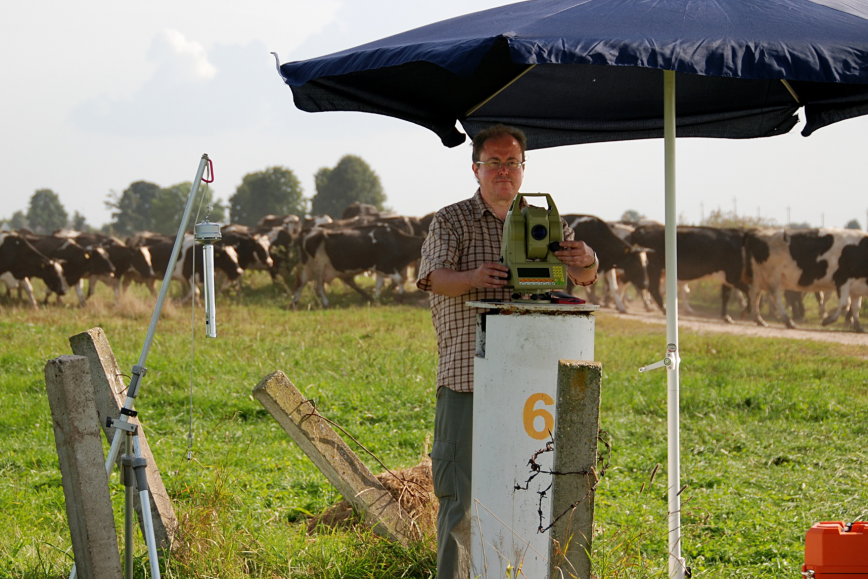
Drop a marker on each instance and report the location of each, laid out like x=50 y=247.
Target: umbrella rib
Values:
x=500 y=90
x=792 y=92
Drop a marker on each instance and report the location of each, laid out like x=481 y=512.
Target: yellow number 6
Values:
x=530 y=414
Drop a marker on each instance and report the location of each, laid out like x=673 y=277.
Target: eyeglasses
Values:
x=496 y=165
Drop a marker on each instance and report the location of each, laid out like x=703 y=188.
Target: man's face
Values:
x=499 y=186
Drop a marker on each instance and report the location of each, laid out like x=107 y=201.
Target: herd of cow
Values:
x=320 y=249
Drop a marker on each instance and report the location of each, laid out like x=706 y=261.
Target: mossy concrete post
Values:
x=575 y=451
x=82 y=468
x=108 y=392
x=333 y=457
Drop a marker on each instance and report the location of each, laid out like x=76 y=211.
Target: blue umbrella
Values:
x=582 y=71
x=744 y=69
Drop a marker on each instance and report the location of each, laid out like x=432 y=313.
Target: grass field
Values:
x=772 y=438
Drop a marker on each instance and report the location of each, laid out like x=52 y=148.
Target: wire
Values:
x=193 y=289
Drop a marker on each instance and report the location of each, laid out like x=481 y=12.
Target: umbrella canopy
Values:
x=745 y=67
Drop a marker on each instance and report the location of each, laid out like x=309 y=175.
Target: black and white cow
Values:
x=703 y=252
x=809 y=260
x=613 y=253
x=20 y=260
x=327 y=254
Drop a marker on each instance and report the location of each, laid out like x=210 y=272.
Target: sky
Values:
x=98 y=94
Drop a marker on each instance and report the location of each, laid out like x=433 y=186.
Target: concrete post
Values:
x=333 y=457
x=82 y=468
x=575 y=451
x=108 y=391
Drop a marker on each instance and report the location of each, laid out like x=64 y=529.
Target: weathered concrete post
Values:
x=108 y=388
x=82 y=468
x=333 y=457
x=578 y=425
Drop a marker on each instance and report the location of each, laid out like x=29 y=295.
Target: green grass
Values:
x=772 y=438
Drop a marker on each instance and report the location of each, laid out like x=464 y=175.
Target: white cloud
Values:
x=182 y=59
x=192 y=92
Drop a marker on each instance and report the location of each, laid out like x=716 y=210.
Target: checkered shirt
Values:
x=462 y=237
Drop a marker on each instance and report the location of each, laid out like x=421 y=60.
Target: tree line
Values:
x=145 y=206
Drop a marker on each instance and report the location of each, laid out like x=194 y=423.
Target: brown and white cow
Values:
x=161 y=246
x=125 y=259
x=79 y=262
x=19 y=260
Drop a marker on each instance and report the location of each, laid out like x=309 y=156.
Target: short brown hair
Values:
x=495 y=132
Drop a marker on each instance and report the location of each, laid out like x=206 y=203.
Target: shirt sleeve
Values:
x=440 y=249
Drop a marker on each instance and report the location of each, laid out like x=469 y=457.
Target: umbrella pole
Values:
x=676 y=564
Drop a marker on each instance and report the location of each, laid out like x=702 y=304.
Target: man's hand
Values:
x=576 y=254
x=489 y=276
x=452 y=283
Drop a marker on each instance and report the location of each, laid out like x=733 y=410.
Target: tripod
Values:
x=133 y=463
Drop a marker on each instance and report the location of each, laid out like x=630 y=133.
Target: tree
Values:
x=132 y=209
x=79 y=222
x=853 y=224
x=168 y=206
x=274 y=191
x=632 y=216
x=720 y=218
x=351 y=180
x=18 y=220
x=46 y=213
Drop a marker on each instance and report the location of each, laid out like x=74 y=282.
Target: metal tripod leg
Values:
x=139 y=467
x=129 y=525
x=133 y=473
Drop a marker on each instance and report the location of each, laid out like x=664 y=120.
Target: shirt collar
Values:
x=480 y=206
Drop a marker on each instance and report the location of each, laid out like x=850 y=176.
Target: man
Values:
x=460 y=263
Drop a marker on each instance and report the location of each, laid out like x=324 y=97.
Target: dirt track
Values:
x=746 y=328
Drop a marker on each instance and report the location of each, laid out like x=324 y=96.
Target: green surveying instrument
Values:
x=531 y=235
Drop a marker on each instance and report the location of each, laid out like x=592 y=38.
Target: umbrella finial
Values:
x=277 y=64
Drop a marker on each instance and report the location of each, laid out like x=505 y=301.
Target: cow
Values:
x=357 y=208
x=398 y=222
x=251 y=247
x=161 y=246
x=613 y=253
x=703 y=252
x=343 y=253
x=79 y=261
x=22 y=285
x=21 y=260
x=291 y=223
x=620 y=278
x=124 y=259
x=809 y=260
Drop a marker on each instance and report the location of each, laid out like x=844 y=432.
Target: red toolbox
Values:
x=836 y=550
